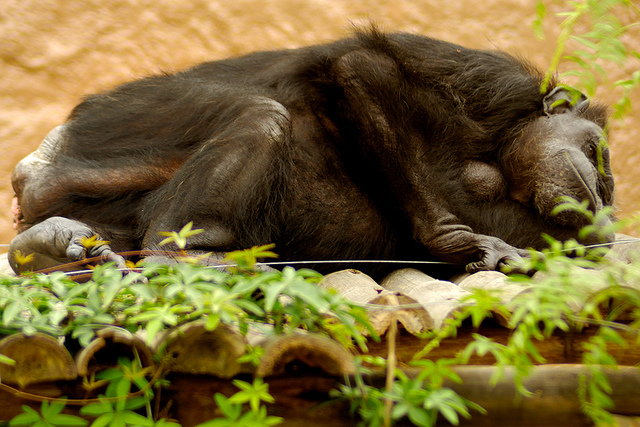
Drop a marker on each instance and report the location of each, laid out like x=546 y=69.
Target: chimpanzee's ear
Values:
x=564 y=100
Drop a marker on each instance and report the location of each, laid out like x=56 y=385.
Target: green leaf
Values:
x=230 y=410
x=10 y=312
x=450 y=414
x=27 y=418
x=399 y=410
x=153 y=327
x=97 y=408
x=50 y=409
x=136 y=403
x=132 y=418
x=104 y=420
x=240 y=397
x=110 y=374
x=273 y=421
x=250 y=307
x=104 y=318
x=212 y=322
x=143 y=291
x=180 y=237
x=110 y=290
x=164 y=423
x=541 y=12
x=271 y=294
x=67 y=420
x=247 y=258
x=251 y=393
x=7 y=360
x=420 y=416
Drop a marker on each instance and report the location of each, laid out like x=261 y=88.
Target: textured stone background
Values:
x=54 y=52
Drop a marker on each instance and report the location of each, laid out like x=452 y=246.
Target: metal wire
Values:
x=351 y=261
x=358 y=261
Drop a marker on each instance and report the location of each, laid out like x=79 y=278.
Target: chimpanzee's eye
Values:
x=592 y=151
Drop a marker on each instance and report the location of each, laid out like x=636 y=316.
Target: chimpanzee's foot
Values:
x=57 y=241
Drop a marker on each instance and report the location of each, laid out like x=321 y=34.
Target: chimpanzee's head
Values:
x=560 y=154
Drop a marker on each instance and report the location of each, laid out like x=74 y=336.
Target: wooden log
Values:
x=298 y=353
x=493 y=281
x=380 y=302
x=108 y=346
x=553 y=401
x=353 y=285
x=438 y=298
x=397 y=307
x=39 y=358
x=196 y=350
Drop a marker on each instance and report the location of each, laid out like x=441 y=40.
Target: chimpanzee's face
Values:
x=558 y=156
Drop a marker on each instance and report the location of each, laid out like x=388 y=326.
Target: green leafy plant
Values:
x=179 y=238
x=232 y=408
x=117 y=407
x=49 y=416
x=245 y=260
x=597 y=49
x=366 y=401
x=568 y=275
x=120 y=413
x=160 y=296
x=157 y=297
x=420 y=399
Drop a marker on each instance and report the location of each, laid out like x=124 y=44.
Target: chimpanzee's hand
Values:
x=57 y=241
x=495 y=254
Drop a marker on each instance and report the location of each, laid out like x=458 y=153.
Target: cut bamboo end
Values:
x=39 y=358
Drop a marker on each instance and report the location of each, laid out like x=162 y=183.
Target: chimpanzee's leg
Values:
x=39 y=184
x=229 y=187
x=232 y=188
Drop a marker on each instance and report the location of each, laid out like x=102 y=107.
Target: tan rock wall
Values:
x=54 y=52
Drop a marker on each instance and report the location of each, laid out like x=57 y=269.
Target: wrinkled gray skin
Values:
x=273 y=172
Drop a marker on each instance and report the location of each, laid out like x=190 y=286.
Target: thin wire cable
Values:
x=369 y=306
x=352 y=261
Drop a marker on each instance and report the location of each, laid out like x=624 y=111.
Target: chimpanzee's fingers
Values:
x=78 y=250
x=489 y=261
x=75 y=250
x=474 y=267
x=500 y=257
x=106 y=255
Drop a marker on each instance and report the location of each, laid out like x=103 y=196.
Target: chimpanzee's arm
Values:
x=370 y=80
x=454 y=242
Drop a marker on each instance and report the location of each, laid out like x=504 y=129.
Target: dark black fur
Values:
x=350 y=150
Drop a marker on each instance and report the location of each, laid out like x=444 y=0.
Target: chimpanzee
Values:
x=378 y=146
